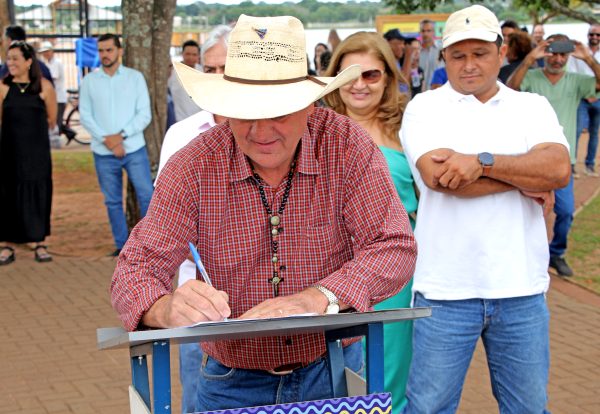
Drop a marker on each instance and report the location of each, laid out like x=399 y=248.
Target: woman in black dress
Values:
x=27 y=108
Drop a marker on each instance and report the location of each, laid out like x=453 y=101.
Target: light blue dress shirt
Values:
x=111 y=104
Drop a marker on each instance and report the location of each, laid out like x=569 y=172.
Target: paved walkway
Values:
x=49 y=362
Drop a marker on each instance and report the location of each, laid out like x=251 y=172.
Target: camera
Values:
x=561 y=46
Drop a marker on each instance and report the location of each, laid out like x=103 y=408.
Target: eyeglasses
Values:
x=371 y=76
x=593 y=34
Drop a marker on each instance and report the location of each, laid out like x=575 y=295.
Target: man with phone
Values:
x=588 y=113
x=564 y=90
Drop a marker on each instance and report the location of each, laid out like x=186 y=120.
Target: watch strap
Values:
x=334 y=304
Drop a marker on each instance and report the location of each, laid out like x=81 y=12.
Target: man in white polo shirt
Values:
x=212 y=56
x=486 y=173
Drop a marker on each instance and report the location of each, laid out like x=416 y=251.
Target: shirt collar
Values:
x=459 y=97
x=117 y=72
x=307 y=161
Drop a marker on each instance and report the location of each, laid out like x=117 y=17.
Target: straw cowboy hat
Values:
x=265 y=72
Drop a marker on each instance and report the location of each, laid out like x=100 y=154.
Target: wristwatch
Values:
x=487 y=161
x=334 y=304
x=123 y=134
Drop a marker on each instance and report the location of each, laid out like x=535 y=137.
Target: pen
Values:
x=199 y=264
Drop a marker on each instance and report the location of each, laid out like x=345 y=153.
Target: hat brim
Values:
x=476 y=34
x=238 y=100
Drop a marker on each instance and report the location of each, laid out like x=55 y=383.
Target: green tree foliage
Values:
x=410 y=6
x=308 y=11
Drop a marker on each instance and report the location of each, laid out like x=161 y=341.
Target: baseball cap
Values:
x=393 y=34
x=473 y=22
x=45 y=46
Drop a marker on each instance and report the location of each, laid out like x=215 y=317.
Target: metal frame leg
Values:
x=375 y=357
x=161 y=377
x=335 y=356
x=139 y=377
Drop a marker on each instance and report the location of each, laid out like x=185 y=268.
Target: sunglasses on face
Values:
x=370 y=76
x=593 y=34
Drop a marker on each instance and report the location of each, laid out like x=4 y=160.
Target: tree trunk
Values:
x=147 y=29
x=4 y=21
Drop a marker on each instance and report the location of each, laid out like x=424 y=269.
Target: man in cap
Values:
x=486 y=175
x=58 y=76
x=397 y=43
x=292 y=210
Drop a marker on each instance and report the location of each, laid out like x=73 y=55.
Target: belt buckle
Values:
x=289 y=368
x=280 y=373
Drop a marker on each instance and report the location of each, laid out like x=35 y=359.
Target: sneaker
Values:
x=589 y=171
x=574 y=172
x=560 y=265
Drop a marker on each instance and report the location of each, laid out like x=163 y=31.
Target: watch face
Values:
x=485 y=158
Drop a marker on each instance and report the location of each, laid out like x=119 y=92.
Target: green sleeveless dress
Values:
x=398 y=336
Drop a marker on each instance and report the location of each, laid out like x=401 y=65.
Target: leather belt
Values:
x=287 y=369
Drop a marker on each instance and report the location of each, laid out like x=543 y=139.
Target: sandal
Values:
x=43 y=256
x=4 y=260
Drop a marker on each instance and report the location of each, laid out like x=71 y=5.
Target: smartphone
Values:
x=561 y=46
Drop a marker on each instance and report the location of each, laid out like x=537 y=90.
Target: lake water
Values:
x=575 y=31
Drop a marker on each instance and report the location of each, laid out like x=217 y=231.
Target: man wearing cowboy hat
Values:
x=486 y=175
x=292 y=210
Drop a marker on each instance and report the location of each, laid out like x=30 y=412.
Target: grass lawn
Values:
x=584 y=246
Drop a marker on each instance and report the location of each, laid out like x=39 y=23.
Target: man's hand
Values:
x=456 y=170
x=538 y=52
x=193 y=302
x=114 y=143
x=543 y=198
x=309 y=300
x=581 y=51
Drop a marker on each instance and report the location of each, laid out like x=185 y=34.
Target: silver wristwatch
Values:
x=334 y=304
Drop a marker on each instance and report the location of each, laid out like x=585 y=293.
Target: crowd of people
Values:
x=342 y=162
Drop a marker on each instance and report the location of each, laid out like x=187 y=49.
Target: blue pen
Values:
x=199 y=264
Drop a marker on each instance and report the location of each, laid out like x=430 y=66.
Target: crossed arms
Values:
x=535 y=173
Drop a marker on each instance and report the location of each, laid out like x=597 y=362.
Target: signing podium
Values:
x=334 y=327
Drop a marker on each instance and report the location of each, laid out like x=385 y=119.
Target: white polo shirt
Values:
x=493 y=246
x=178 y=136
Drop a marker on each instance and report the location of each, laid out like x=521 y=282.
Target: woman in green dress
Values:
x=375 y=103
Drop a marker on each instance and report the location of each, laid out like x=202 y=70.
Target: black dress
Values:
x=25 y=168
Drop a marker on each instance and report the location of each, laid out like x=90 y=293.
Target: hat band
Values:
x=275 y=81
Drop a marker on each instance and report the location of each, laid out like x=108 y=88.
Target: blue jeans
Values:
x=588 y=116
x=515 y=335
x=109 y=170
x=220 y=387
x=190 y=359
x=564 y=208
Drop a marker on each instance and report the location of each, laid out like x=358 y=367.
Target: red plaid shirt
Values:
x=344 y=227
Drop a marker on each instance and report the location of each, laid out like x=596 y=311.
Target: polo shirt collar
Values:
x=458 y=97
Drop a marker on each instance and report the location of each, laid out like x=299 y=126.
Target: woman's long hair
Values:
x=393 y=102
x=35 y=73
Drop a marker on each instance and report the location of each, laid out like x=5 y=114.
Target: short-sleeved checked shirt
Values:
x=344 y=227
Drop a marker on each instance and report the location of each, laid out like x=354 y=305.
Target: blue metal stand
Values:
x=161 y=370
x=334 y=327
x=139 y=377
